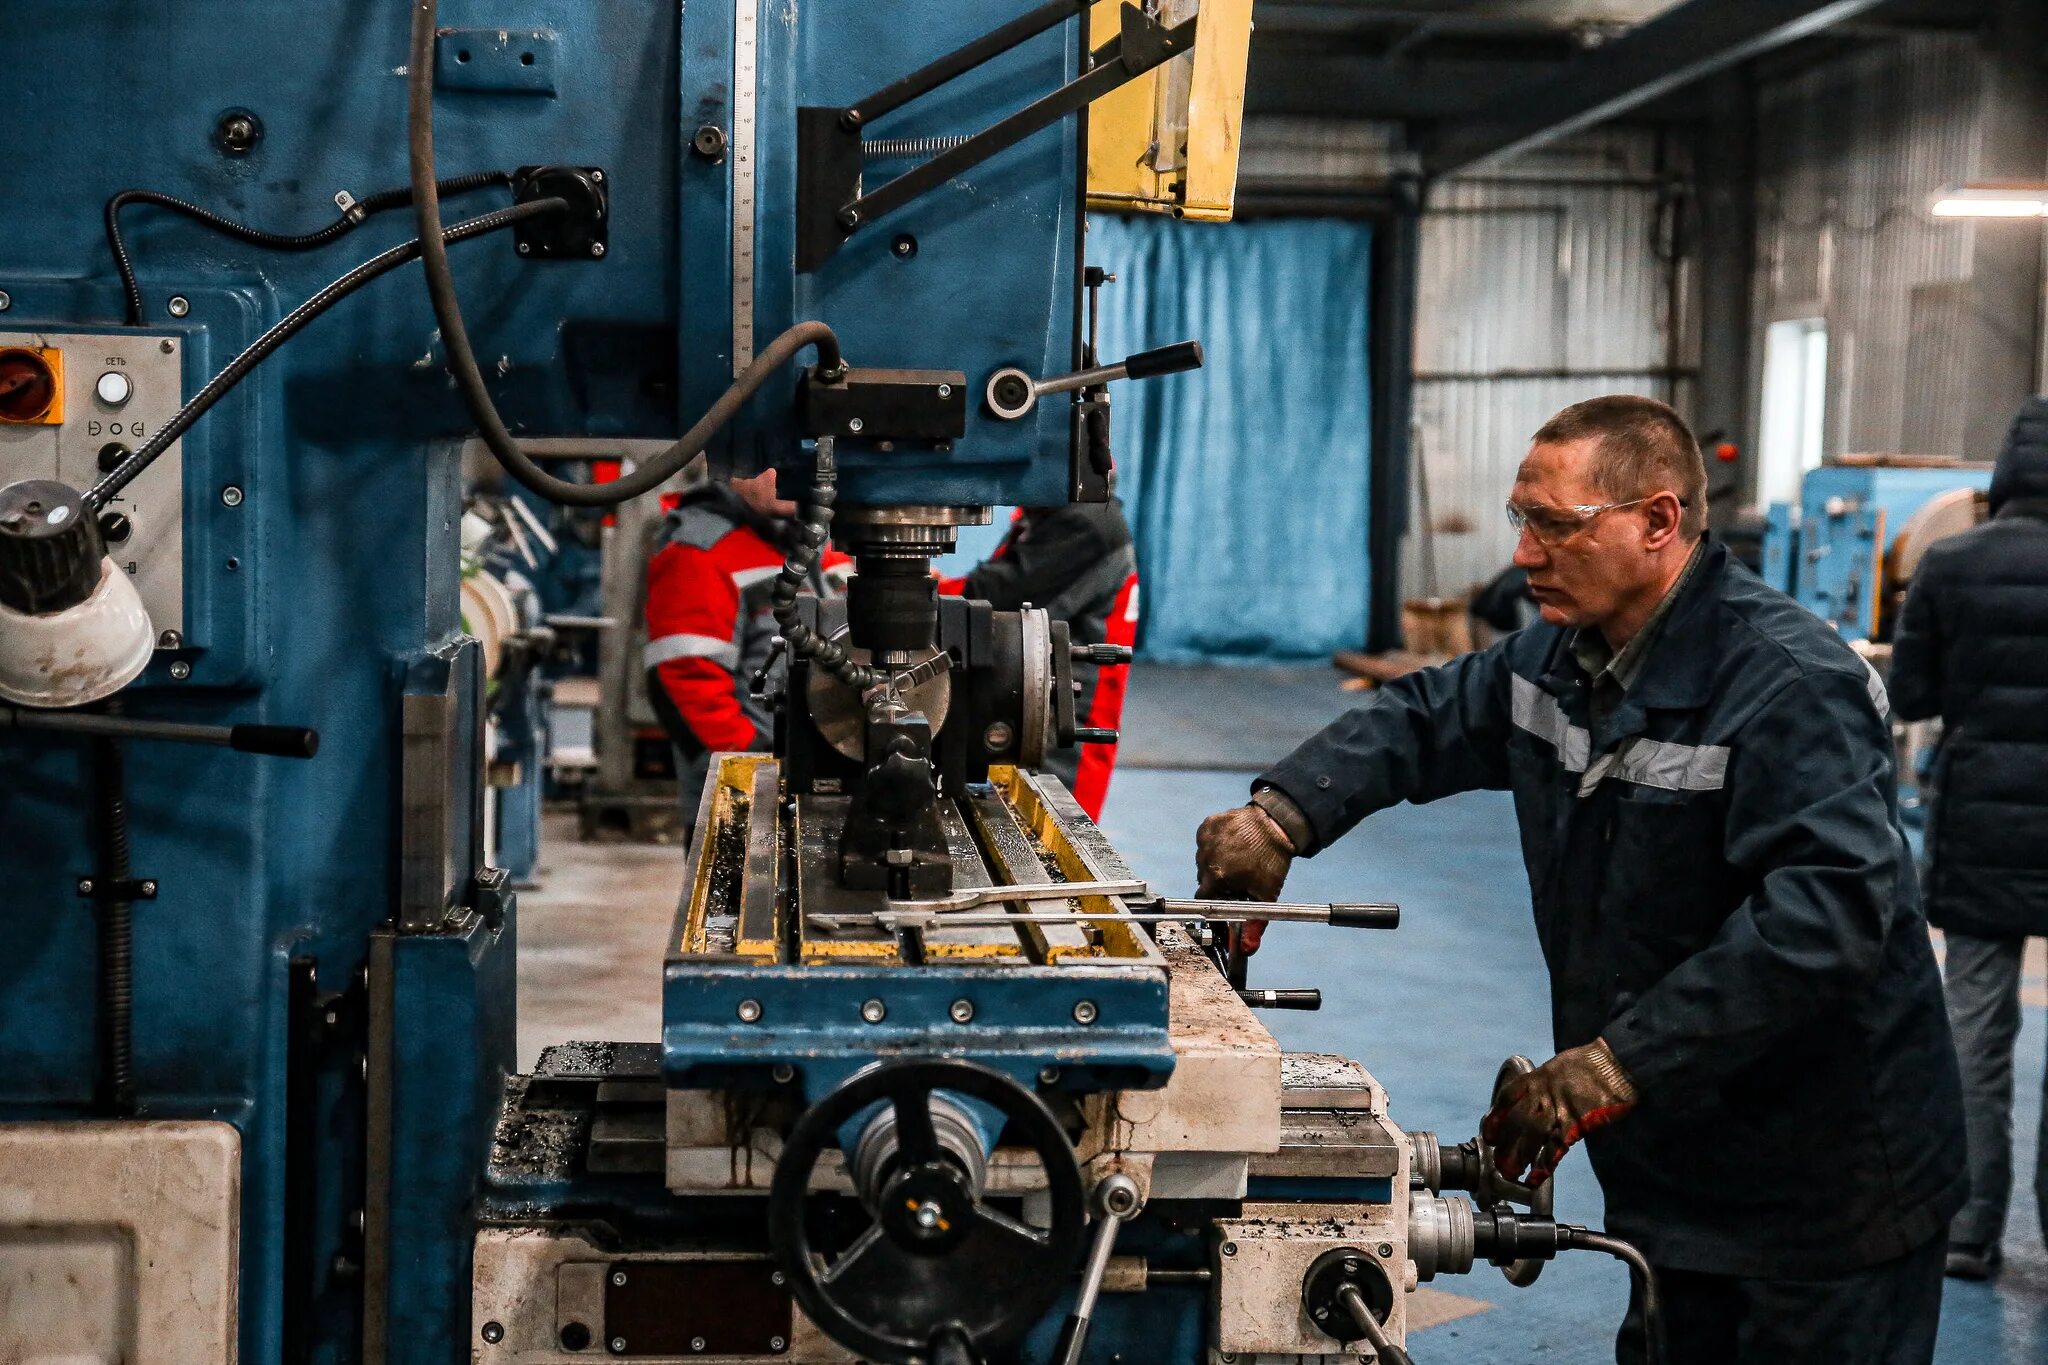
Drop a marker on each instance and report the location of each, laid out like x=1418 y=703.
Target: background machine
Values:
x=938 y=1080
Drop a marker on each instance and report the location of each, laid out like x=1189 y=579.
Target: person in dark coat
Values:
x=1751 y=1037
x=1972 y=648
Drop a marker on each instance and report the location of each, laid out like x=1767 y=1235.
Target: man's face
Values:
x=759 y=494
x=1582 y=569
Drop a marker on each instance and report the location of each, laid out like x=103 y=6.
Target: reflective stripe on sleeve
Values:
x=722 y=652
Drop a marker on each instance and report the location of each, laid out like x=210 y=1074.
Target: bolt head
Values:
x=6 y=301
x=618 y=1345
x=749 y=1011
x=525 y=248
x=618 y=1277
x=777 y=1279
x=85 y=886
x=1230 y=1248
x=170 y=639
x=1084 y=1012
x=149 y=888
x=945 y=390
x=166 y=345
x=180 y=671
x=874 y=1011
x=494 y=1332
x=696 y=1343
x=597 y=177
x=777 y=1344
x=962 y=1011
x=231 y=495
x=597 y=249
x=929 y=1213
x=1048 y=1075
x=783 y=1073
x=179 y=305
x=1386 y=1248
x=855 y=424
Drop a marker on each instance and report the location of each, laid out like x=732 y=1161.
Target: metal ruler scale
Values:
x=746 y=64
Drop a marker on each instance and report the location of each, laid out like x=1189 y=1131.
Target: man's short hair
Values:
x=1644 y=448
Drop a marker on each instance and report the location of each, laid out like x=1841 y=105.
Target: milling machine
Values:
x=939 y=1080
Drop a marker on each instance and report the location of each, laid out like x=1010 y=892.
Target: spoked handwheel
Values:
x=1541 y=1199
x=939 y=1276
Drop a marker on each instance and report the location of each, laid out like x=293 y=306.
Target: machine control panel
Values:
x=109 y=392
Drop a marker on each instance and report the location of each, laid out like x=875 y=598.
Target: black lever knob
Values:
x=1092 y=734
x=1182 y=355
x=1102 y=654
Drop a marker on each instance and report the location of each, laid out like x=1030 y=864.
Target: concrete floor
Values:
x=1431 y=1009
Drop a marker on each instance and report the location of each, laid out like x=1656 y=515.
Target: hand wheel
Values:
x=938 y=1269
x=1540 y=1201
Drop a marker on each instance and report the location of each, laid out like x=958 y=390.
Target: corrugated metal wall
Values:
x=1542 y=284
x=1848 y=156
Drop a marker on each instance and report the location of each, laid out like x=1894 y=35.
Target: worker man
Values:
x=1749 y=1024
x=1075 y=560
x=710 y=626
x=1972 y=648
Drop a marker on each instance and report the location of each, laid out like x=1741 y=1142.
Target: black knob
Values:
x=115 y=527
x=1090 y=734
x=50 y=548
x=1182 y=355
x=111 y=455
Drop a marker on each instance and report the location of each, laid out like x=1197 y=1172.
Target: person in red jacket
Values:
x=710 y=626
x=1077 y=562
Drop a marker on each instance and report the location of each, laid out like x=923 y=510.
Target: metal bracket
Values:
x=103 y=892
x=829 y=202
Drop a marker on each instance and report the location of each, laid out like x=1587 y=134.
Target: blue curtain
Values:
x=1246 y=480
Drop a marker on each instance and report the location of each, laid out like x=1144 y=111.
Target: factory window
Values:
x=1795 y=406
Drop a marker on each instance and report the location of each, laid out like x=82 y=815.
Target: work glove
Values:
x=1542 y=1115
x=1242 y=854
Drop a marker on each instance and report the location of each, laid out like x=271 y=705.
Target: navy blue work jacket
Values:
x=1723 y=892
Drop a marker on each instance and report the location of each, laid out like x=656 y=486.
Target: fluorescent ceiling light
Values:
x=1993 y=199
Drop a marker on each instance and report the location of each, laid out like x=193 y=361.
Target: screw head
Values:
x=149 y=888
x=180 y=671
x=696 y=1343
x=854 y=424
x=1084 y=1011
x=618 y=1277
x=1322 y=1313
x=597 y=177
x=777 y=1344
x=166 y=345
x=1230 y=1248
x=85 y=886
x=170 y=639
x=597 y=248
x=749 y=1011
x=1351 y=1266
x=525 y=248
x=777 y=1279
x=874 y=1011
x=945 y=390
x=783 y=1073
x=231 y=495
x=179 y=305
x=929 y=1213
x=6 y=301
x=1048 y=1075
x=618 y=1345
x=1386 y=1248
x=962 y=1011
x=494 y=1332
x=849 y=219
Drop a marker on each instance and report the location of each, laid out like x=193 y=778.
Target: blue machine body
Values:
x=1830 y=552
x=325 y=594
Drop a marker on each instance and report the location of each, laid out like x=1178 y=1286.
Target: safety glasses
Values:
x=1553 y=526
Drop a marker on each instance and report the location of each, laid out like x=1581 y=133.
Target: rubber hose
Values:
x=116 y=936
x=1641 y=1274
x=124 y=473
x=275 y=241
x=469 y=379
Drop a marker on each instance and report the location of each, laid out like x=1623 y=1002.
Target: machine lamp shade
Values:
x=1993 y=199
x=72 y=628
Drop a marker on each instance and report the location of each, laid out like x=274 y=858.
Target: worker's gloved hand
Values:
x=1542 y=1115
x=1242 y=854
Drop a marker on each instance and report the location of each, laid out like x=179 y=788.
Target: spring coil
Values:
x=883 y=148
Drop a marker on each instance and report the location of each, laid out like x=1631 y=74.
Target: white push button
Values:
x=114 y=388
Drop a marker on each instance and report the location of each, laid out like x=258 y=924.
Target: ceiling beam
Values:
x=1694 y=39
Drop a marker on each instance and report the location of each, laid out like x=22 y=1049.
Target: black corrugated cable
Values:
x=351 y=217
x=462 y=366
x=122 y=474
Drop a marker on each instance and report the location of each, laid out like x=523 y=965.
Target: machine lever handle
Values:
x=1305 y=999
x=1116 y=1202
x=1365 y=916
x=279 y=741
x=1182 y=355
x=1095 y=734
x=1106 y=655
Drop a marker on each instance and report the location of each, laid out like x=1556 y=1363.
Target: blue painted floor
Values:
x=1433 y=1008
